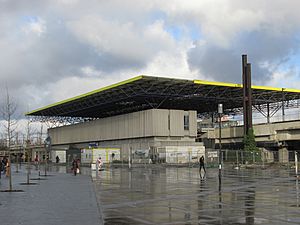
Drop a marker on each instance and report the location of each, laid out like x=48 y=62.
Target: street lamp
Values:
x=220 y=111
x=47 y=144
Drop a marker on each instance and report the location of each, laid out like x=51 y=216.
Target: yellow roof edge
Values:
x=203 y=82
x=291 y=90
x=224 y=84
x=266 y=88
x=217 y=83
x=87 y=94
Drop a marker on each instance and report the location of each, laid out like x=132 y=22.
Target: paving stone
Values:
x=61 y=199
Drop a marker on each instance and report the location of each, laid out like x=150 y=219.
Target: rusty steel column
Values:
x=282 y=105
x=244 y=71
x=268 y=113
x=247 y=94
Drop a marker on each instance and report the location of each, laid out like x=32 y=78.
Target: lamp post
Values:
x=220 y=111
x=47 y=144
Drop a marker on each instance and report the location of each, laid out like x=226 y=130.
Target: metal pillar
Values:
x=220 y=111
x=247 y=94
x=268 y=113
x=244 y=77
x=220 y=143
x=296 y=163
x=282 y=106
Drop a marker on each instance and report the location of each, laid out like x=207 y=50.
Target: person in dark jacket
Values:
x=75 y=166
x=201 y=161
x=4 y=161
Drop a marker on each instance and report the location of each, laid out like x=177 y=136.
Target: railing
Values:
x=242 y=157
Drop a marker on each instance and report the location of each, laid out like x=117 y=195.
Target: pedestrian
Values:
x=78 y=166
x=99 y=164
x=1 y=168
x=7 y=168
x=36 y=161
x=57 y=159
x=4 y=161
x=201 y=161
x=75 y=166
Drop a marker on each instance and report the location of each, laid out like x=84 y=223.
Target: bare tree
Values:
x=8 y=111
x=29 y=133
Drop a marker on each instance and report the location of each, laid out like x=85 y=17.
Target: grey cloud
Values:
x=29 y=61
x=215 y=62
x=54 y=55
x=224 y=64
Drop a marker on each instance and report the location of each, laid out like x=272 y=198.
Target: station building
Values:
x=144 y=117
x=160 y=134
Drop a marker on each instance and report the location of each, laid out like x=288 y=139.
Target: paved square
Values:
x=168 y=195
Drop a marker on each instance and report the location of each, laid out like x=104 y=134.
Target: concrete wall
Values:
x=274 y=132
x=128 y=146
x=60 y=154
x=91 y=155
x=182 y=154
x=148 y=123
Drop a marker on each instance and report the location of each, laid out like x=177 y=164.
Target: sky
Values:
x=55 y=49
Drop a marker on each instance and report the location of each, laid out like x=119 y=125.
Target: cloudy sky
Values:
x=55 y=49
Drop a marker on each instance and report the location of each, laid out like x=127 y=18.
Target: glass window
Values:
x=186 y=121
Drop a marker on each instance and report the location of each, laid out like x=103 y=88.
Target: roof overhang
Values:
x=146 y=92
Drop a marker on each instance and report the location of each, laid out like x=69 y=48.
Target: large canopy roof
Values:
x=146 y=92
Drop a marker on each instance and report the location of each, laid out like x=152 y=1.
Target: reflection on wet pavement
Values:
x=169 y=195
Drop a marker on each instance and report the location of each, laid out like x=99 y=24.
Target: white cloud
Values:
x=123 y=40
x=285 y=78
x=172 y=64
x=73 y=86
x=35 y=26
x=69 y=47
x=90 y=71
x=220 y=21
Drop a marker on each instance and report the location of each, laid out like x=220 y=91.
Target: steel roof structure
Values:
x=147 y=92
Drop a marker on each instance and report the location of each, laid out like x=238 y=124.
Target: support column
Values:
x=283 y=154
x=268 y=113
x=247 y=94
x=282 y=106
x=244 y=71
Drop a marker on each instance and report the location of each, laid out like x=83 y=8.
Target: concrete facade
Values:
x=150 y=130
x=149 y=123
x=280 y=137
x=271 y=132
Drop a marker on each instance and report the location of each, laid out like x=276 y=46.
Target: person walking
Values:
x=201 y=161
x=7 y=169
x=75 y=166
x=1 y=168
x=99 y=164
x=4 y=161
x=57 y=159
x=78 y=166
x=36 y=161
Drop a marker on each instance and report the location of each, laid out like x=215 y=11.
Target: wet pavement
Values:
x=152 y=194
x=57 y=199
x=169 y=195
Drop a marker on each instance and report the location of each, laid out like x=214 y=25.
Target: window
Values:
x=186 y=121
